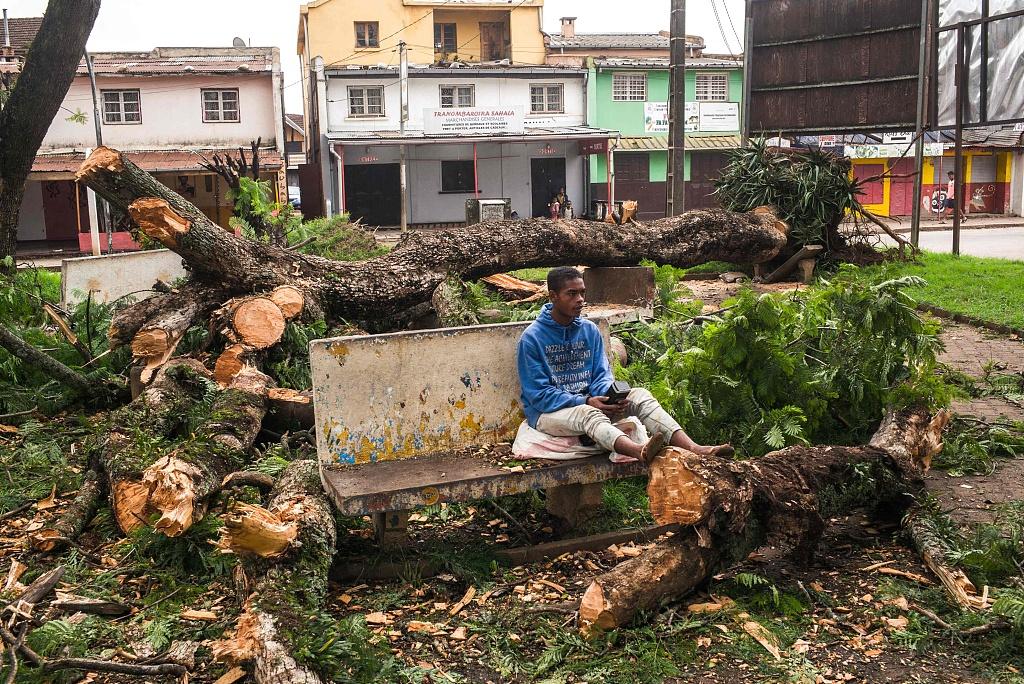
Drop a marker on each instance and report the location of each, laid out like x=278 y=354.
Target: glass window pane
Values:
x=133 y=117
x=130 y=96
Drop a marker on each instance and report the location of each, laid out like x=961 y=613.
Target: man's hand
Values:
x=602 y=405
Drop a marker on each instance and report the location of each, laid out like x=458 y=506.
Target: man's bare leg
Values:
x=683 y=441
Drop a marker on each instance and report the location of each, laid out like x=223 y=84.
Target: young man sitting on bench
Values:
x=566 y=380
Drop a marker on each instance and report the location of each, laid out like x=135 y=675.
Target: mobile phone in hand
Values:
x=618 y=392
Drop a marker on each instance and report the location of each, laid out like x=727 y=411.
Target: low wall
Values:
x=401 y=395
x=110 y=277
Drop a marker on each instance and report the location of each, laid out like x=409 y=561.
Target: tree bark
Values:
x=409 y=274
x=730 y=508
x=45 y=78
x=289 y=590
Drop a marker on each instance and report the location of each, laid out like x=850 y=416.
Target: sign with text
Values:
x=593 y=146
x=875 y=151
x=897 y=138
x=473 y=120
x=656 y=117
x=719 y=117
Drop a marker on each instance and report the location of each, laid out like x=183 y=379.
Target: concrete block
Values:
x=391 y=528
x=632 y=285
x=574 y=504
x=403 y=395
x=113 y=276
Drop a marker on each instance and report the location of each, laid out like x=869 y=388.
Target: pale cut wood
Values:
x=172 y=494
x=289 y=299
x=258 y=322
x=157 y=220
x=230 y=363
x=253 y=530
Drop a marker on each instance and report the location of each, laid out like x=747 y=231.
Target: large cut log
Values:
x=149 y=481
x=65 y=529
x=730 y=508
x=409 y=274
x=289 y=588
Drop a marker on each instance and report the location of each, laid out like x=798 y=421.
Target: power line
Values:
x=728 y=15
x=721 y=28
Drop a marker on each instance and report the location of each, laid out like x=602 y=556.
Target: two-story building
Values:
x=167 y=109
x=630 y=95
x=476 y=131
x=484 y=116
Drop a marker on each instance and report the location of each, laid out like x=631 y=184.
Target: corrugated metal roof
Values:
x=298 y=119
x=178 y=61
x=1003 y=137
x=150 y=160
x=618 y=41
x=693 y=142
x=459 y=69
x=663 y=63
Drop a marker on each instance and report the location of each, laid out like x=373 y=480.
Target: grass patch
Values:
x=989 y=289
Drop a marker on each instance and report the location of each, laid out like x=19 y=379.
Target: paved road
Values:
x=1007 y=243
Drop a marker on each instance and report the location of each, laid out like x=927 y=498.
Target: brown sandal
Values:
x=722 y=451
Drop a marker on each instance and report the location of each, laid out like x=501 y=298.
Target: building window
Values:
x=457 y=176
x=629 y=87
x=712 y=87
x=366 y=101
x=458 y=96
x=220 y=105
x=445 y=39
x=367 y=34
x=122 y=107
x=546 y=98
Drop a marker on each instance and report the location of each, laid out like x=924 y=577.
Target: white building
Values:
x=473 y=131
x=167 y=109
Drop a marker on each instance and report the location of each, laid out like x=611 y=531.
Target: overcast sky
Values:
x=145 y=24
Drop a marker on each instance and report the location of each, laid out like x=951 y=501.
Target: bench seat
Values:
x=423 y=481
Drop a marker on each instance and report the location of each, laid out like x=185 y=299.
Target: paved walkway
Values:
x=971 y=350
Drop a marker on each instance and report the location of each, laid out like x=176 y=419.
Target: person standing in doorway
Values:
x=951 y=199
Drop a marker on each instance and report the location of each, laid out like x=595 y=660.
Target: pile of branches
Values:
x=815 y=192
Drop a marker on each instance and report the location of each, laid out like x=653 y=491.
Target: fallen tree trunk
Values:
x=73 y=520
x=292 y=586
x=409 y=275
x=146 y=479
x=731 y=508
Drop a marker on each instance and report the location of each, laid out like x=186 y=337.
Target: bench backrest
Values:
x=402 y=395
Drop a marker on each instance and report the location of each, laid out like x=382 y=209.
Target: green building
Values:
x=630 y=95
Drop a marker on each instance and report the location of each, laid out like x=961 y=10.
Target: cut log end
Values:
x=102 y=158
x=259 y=322
x=230 y=363
x=677 y=493
x=255 y=531
x=172 y=494
x=159 y=221
x=151 y=342
x=594 y=614
x=290 y=300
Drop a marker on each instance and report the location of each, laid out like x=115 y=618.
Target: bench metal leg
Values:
x=575 y=503
x=391 y=528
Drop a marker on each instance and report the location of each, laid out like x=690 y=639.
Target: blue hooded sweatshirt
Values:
x=560 y=365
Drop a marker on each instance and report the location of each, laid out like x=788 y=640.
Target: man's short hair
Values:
x=558 y=277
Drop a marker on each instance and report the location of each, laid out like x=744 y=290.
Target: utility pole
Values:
x=677 y=112
x=403 y=116
x=101 y=213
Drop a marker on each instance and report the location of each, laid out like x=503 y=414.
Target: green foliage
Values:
x=347 y=652
x=989 y=289
x=971 y=447
x=813 y=190
x=190 y=554
x=336 y=238
x=63 y=638
x=762 y=595
x=816 y=366
x=288 y=361
x=1010 y=605
x=40 y=459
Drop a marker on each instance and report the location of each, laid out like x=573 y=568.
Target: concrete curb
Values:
x=971 y=320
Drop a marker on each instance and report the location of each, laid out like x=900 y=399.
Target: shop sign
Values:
x=888 y=151
x=473 y=121
x=656 y=117
x=593 y=146
x=719 y=117
x=897 y=138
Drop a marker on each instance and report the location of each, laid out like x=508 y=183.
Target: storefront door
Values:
x=373 y=194
x=547 y=177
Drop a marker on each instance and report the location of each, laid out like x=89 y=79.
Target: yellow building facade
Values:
x=346 y=32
